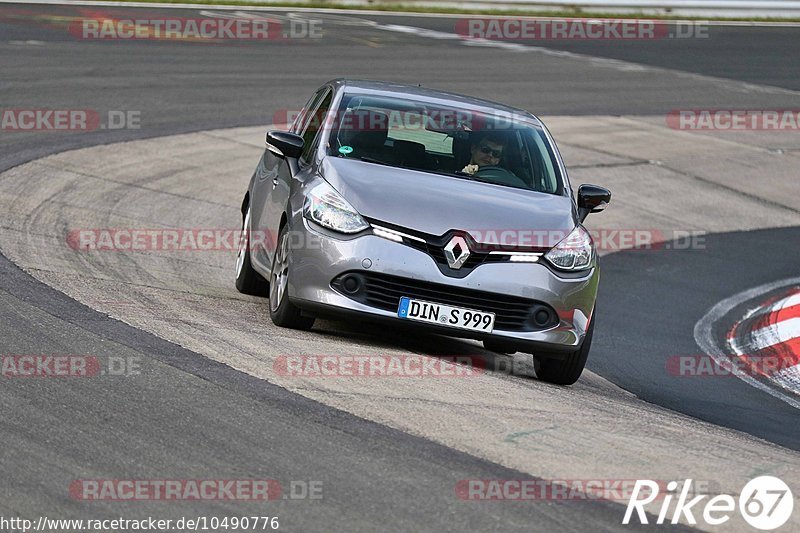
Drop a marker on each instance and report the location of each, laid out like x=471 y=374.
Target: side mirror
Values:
x=592 y=199
x=284 y=144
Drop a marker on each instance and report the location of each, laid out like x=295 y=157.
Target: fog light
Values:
x=541 y=317
x=351 y=284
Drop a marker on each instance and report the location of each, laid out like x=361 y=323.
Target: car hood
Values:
x=436 y=204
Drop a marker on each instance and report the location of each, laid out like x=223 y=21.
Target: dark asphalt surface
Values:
x=187 y=86
x=634 y=339
x=186 y=416
x=752 y=54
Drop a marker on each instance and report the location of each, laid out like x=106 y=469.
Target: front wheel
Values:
x=248 y=281
x=564 y=371
x=283 y=312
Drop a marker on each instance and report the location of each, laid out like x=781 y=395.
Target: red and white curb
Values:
x=770 y=330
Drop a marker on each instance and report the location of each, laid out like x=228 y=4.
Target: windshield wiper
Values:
x=453 y=174
x=376 y=161
x=462 y=174
x=472 y=177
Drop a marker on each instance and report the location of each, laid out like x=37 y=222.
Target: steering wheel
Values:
x=500 y=176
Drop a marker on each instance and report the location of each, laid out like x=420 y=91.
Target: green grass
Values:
x=411 y=8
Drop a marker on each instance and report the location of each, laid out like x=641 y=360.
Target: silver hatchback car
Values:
x=403 y=204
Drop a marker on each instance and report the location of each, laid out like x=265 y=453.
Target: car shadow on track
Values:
x=408 y=338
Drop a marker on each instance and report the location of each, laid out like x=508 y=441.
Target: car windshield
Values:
x=496 y=148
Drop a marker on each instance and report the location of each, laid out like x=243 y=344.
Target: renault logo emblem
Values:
x=456 y=252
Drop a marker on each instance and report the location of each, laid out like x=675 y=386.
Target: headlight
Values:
x=327 y=208
x=574 y=252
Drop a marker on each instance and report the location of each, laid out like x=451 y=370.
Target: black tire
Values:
x=248 y=281
x=499 y=346
x=282 y=311
x=565 y=371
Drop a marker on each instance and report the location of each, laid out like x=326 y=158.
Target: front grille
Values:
x=436 y=251
x=434 y=245
x=512 y=313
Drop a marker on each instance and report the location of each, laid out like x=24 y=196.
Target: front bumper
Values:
x=318 y=257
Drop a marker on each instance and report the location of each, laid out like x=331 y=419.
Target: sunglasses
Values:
x=486 y=150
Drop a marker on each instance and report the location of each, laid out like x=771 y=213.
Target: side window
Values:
x=299 y=122
x=314 y=124
x=543 y=164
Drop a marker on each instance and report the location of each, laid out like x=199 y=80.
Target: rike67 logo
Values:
x=765 y=503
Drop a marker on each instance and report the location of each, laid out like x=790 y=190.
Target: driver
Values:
x=486 y=151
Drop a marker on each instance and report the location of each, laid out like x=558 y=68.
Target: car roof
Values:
x=417 y=92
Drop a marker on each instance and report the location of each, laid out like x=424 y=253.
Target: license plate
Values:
x=445 y=315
